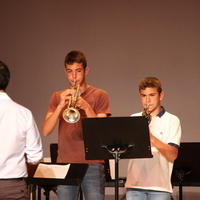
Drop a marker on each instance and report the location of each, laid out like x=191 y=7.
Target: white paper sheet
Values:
x=51 y=171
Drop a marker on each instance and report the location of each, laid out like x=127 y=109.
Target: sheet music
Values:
x=51 y=171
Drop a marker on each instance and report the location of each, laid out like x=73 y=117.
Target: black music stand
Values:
x=116 y=138
x=74 y=176
x=186 y=169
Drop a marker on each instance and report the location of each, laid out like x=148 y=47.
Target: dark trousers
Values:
x=11 y=189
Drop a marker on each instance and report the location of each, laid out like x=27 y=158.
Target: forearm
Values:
x=168 y=151
x=33 y=150
x=90 y=112
x=50 y=121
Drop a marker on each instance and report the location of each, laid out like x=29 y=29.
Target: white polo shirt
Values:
x=155 y=173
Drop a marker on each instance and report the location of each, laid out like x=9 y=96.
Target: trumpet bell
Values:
x=71 y=115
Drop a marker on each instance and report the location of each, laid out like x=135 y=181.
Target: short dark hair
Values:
x=75 y=57
x=149 y=82
x=4 y=76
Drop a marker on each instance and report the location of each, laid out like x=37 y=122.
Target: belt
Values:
x=11 y=179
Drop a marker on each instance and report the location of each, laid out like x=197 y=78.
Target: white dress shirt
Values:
x=19 y=136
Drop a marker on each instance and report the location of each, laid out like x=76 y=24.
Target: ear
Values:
x=161 y=95
x=65 y=71
x=87 y=69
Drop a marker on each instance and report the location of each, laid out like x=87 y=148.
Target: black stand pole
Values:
x=47 y=193
x=116 y=152
x=116 y=155
x=180 y=173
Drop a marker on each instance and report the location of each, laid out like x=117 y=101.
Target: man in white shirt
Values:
x=150 y=178
x=20 y=142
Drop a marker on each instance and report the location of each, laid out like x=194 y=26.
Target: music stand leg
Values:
x=116 y=152
x=124 y=197
x=180 y=190
x=47 y=193
x=39 y=193
x=116 y=178
x=32 y=191
x=180 y=174
x=81 y=194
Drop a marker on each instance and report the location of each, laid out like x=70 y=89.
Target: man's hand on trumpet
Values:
x=82 y=104
x=66 y=96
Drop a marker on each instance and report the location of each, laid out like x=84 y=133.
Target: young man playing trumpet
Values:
x=92 y=102
x=150 y=179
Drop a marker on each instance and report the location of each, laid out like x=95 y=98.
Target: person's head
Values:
x=76 y=68
x=150 y=82
x=4 y=76
x=150 y=90
x=75 y=57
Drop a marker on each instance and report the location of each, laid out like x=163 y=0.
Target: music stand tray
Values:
x=74 y=176
x=116 y=138
x=116 y=132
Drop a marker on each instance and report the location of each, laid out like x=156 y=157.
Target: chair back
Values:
x=53 y=152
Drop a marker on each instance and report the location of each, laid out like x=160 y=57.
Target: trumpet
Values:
x=71 y=114
x=147 y=114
